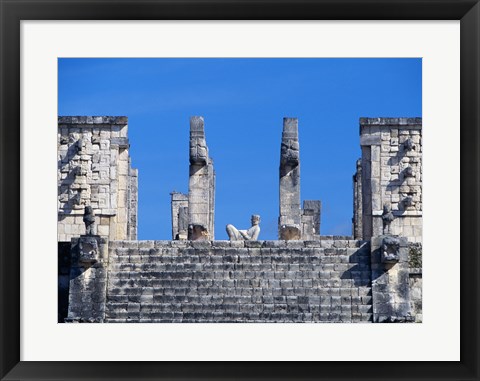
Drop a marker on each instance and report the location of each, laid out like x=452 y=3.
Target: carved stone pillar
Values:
x=357 y=202
x=289 y=223
x=201 y=187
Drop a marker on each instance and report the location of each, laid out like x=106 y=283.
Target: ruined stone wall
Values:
x=243 y=281
x=94 y=169
x=391 y=172
x=310 y=219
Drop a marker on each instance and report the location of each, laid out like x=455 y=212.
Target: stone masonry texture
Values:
x=94 y=169
x=391 y=172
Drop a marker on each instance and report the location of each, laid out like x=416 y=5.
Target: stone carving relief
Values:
x=387 y=217
x=198 y=144
x=89 y=220
x=64 y=139
x=198 y=151
x=390 y=249
x=409 y=172
x=408 y=145
x=80 y=145
x=88 y=249
x=290 y=153
x=197 y=232
x=408 y=202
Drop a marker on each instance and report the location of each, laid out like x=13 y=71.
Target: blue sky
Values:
x=243 y=102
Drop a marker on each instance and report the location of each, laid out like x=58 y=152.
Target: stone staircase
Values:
x=220 y=281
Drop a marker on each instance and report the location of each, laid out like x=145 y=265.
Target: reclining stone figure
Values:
x=245 y=235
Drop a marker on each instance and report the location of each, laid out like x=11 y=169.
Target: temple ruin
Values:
x=106 y=275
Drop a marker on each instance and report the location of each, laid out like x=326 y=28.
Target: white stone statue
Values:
x=245 y=235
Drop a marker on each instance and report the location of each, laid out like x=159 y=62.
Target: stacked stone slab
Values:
x=294 y=223
x=179 y=204
x=311 y=219
x=94 y=169
x=243 y=281
x=390 y=173
x=132 y=203
x=357 y=202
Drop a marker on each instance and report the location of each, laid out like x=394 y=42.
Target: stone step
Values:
x=265 y=284
x=245 y=317
x=339 y=264
x=294 y=281
x=234 y=304
x=320 y=287
x=362 y=295
x=254 y=294
x=223 y=320
x=241 y=274
x=237 y=254
x=227 y=259
x=183 y=259
x=323 y=242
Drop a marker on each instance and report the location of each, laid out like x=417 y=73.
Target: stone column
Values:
x=201 y=187
x=390 y=279
x=211 y=196
x=357 y=202
x=289 y=223
x=132 y=204
x=88 y=279
x=377 y=207
x=371 y=201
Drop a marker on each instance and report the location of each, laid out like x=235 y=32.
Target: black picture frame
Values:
x=12 y=12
